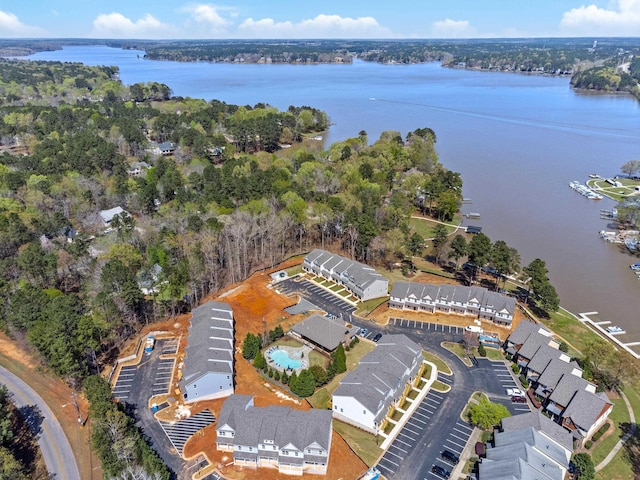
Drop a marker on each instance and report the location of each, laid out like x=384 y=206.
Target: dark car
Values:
x=440 y=471
x=518 y=399
x=377 y=337
x=449 y=456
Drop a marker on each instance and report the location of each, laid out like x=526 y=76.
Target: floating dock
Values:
x=584 y=190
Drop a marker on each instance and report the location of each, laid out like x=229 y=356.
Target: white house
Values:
x=293 y=441
x=457 y=299
x=365 y=395
x=360 y=279
x=208 y=363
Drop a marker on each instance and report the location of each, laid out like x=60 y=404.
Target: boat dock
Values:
x=609 y=335
x=472 y=215
x=584 y=190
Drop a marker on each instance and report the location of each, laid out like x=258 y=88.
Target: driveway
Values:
x=445 y=429
x=53 y=443
x=325 y=300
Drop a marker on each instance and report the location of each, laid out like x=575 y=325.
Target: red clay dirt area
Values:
x=256 y=308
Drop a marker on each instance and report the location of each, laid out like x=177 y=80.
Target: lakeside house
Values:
x=108 y=215
x=138 y=168
x=556 y=383
x=380 y=382
x=453 y=299
x=293 y=441
x=208 y=362
x=323 y=332
x=361 y=280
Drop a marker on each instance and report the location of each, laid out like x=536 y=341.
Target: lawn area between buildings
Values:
x=457 y=350
x=366 y=445
x=368 y=306
x=440 y=364
x=322 y=396
x=619 y=415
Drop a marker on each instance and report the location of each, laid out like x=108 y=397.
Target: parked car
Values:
x=377 y=337
x=440 y=471
x=518 y=399
x=449 y=456
x=363 y=332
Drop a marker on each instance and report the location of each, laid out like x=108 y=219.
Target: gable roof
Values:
x=107 y=215
x=323 y=331
x=282 y=425
x=210 y=342
x=555 y=370
x=524 y=329
x=537 y=440
x=543 y=356
x=382 y=373
x=585 y=408
x=533 y=342
x=540 y=422
x=360 y=274
x=567 y=387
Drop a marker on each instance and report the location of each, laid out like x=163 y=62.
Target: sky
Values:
x=297 y=19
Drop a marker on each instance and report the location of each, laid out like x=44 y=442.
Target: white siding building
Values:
x=360 y=279
x=458 y=299
x=293 y=441
x=208 y=362
x=366 y=394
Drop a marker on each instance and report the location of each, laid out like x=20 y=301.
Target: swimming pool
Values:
x=282 y=359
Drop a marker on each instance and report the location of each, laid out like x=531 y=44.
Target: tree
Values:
x=250 y=346
x=631 y=168
x=584 y=466
x=259 y=361
x=481 y=350
x=459 y=248
x=339 y=359
x=548 y=297
x=304 y=385
x=596 y=351
x=486 y=414
x=439 y=241
x=479 y=250
x=415 y=244
x=504 y=260
x=319 y=374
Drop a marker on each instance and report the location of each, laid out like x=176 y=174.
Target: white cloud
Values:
x=322 y=26
x=448 y=28
x=621 y=18
x=116 y=25
x=207 y=14
x=11 y=26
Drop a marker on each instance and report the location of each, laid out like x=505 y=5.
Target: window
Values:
x=251 y=449
x=228 y=377
x=341 y=410
x=195 y=386
x=220 y=387
x=364 y=412
x=274 y=447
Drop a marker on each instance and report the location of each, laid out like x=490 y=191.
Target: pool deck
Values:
x=294 y=353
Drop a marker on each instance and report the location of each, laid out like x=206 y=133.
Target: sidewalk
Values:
x=626 y=437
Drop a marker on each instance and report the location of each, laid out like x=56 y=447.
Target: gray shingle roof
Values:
x=210 y=347
x=543 y=356
x=515 y=469
x=323 y=331
x=533 y=343
x=282 y=425
x=454 y=293
x=540 y=422
x=534 y=438
x=554 y=371
x=529 y=454
x=585 y=408
x=523 y=330
x=567 y=387
x=382 y=374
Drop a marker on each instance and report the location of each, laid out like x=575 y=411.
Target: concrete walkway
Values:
x=626 y=437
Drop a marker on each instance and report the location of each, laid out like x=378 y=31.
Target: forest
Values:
x=224 y=200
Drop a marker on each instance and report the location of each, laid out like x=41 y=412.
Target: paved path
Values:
x=626 y=437
x=55 y=448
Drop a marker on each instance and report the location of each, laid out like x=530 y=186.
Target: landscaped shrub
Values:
x=515 y=368
x=276 y=376
x=481 y=351
x=270 y=373
x=524 y=381
x=588 y=444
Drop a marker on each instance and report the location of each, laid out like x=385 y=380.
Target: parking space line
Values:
x=459 y=437
x=395 y=454
x=409 y=437
x=404 y=443
x=396 y=446
x=415 y=433
x=421 y=414
x=454 y=443
x=435 y=395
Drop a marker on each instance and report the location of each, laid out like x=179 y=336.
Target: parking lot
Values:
x=126 y=379
x=505 y=378
x=416 y=436
x=179 y=432
x=428 y=327
x=162 y=377
x=324 y=299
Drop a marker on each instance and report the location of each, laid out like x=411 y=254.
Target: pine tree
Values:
x=339 y=359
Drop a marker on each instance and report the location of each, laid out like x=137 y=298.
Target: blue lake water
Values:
x=517 y=140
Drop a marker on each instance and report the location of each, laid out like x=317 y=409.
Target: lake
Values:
x=517 y=140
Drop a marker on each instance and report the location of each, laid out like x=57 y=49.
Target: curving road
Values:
x=55 y=448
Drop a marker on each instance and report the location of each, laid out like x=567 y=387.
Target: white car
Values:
x=515 y=392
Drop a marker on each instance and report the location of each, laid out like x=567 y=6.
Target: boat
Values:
x=635 y=266
x=472 y=215
x=594 y=175
x=615 y=329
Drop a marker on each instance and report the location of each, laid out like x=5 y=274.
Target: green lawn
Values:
x=336 y=288
x=368 y=306
x=492 y=353
x=572 y=331
x=457 y=349
x=440 y=387
x=619 y=415
x=440 y=364
x=425 y=226
x=322 y=396
x=294 y=270
x=364 y=444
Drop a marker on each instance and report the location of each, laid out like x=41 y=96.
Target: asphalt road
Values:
x=55 y=448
